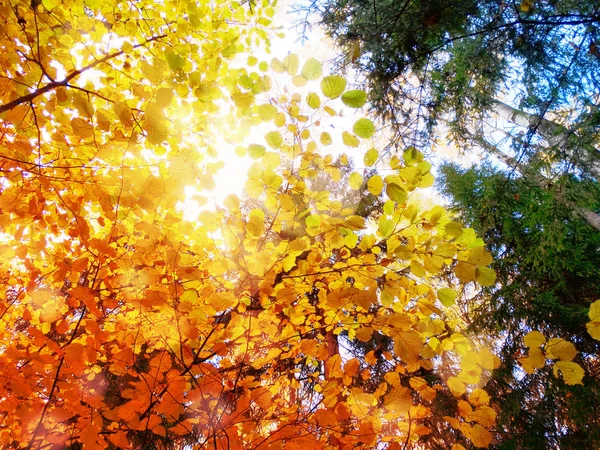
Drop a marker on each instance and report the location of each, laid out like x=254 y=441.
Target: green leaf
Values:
x=485 y=276
x=313 y=100
x=313 y=221
x=312 y=69
x=412 y=156
x=350 y=140
x=325 y=138
x=354 y=98
x=174 y=60
x=291 y=63
x=243 y=99
x=274 y=139
x=370 y=157
x=267 y=111
x=446 y=296
x=355 y=181
x=255 y=151
x=396 y=193
x=277 y=66
x=333 y=86
x=364 y=128
x=386 y=226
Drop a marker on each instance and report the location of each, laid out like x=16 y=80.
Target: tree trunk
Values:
x=586 y=157
x=590 y=216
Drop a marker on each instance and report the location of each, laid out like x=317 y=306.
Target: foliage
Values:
x=547 y=266
x=517 y=82
x=430 y=60
x=124 y=326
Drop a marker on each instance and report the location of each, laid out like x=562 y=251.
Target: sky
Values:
x=232 y=177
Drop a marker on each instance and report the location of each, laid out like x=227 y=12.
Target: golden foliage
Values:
x=123 y=324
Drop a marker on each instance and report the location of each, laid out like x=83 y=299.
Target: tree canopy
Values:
x=515 y=82
x=124 y=326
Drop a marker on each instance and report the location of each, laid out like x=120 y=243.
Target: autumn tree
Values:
x=125 y=326
x=515 y=82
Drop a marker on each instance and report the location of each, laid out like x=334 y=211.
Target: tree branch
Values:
x=53 y=85
x=588 y=215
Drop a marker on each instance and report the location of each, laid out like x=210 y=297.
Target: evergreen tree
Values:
x=518 y=82
x=548 y=267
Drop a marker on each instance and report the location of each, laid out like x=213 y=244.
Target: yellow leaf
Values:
x=479 y=397
x=313 y=100
x=83 y=105
x=299 y=81
x=123 y=112
x=484 y=415
x=274 y=139
x=82 y=128
x=363 y=298
x=447 y=296
x=326 y=138
x=534 y=339
x=535 y=360
x=558 y=348
x=291 y=63
x=571 y=372
x=594 y=312
x=333 y=86
x=364 y=334
x=350 y=140
x=243 y=99
x=456 y=386
x=362 y=398
x=465 y=272
x=51 y=313
x=221 y=301
x=454 y=422
x=480 y=256
x=408 y=346
x=277 y=66
x=485 y=276
x=375 y=185
x=355 y=181
x=333 y=367
x=255 y=227
x=312 y=70
x=267 y=112
x=364 y=128
x=593 y=327
x=396 y=193
x=480 y=437
x=354 y=98
x=371 y=157
x=157 y=131
x=399 y=399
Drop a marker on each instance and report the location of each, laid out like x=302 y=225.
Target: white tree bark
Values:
x=585 y=157
x=590 y=216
